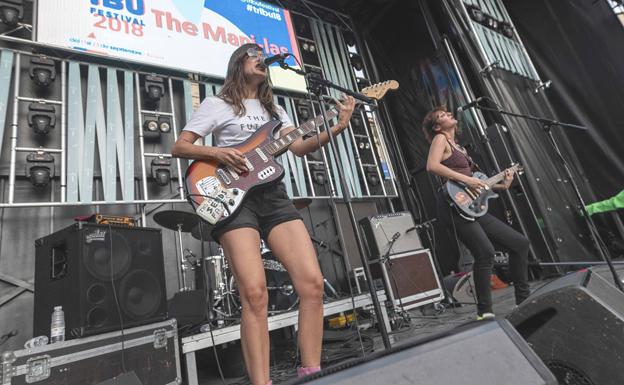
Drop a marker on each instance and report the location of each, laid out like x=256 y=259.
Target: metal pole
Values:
x=14 y=127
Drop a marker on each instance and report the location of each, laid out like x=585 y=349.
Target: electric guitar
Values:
x=216 y=192
x=471 y=203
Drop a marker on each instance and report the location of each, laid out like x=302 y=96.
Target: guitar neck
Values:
x=280 y=145
x=491 y=181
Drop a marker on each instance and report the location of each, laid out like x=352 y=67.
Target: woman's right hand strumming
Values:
x=475 y=183
x=230 y=157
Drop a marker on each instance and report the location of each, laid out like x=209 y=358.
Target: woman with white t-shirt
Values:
x=244 y=104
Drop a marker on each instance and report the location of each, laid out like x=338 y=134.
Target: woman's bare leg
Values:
x=291 y=244
x=242 y=248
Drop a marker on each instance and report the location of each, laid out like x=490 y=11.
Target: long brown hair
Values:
x=234 y=87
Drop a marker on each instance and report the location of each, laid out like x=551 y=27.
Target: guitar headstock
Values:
x=517 y=168
x=378 y=90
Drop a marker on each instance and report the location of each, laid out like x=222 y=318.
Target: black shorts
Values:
x=262 y=210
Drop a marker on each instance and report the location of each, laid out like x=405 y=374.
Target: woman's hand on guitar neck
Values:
x=230 y=157
x=509 y=176
x=345 y=110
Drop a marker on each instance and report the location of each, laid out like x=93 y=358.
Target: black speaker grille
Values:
x=567 y=374
x=140 y=294
x=98 y=255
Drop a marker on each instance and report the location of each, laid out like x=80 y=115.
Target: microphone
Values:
x=469 y=105
x=275 y=58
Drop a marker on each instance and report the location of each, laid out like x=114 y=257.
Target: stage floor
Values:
x=423 y=323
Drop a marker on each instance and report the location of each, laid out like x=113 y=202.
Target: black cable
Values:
x=121 y=325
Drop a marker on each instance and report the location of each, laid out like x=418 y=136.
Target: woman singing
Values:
x=244 y=104
x=449 y=161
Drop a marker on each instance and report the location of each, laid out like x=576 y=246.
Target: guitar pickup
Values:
x=250 y=166
x=233 y=173
x=223 y=176
x=262 y=155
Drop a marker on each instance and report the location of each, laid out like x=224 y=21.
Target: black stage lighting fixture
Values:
x=507 y=30
x=363 y=83
x=356 y=61
x=11 y=12
x=303 y=111
x=151 y=127
x=41 y=117
x=154 y=88
x=161 y=170
x=164 y=124
x=39 y=168
x=491 y=23
x=42 y=71
x=476 y=14
x=349 y=38
x=372 y=176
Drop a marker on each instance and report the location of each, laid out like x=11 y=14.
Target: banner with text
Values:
x=197 y=36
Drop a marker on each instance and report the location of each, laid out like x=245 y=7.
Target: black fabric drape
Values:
x=578 y=45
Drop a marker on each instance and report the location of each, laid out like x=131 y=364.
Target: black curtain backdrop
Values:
x=578 y=45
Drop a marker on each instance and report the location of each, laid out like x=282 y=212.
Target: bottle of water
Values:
x=57 y=328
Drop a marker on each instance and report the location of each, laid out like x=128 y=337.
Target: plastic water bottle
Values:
x=57 y=328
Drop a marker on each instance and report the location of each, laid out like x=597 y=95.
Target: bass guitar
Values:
x=216 y=192
x=469 y=202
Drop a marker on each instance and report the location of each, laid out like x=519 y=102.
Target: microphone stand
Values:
x=547 y=125
x=315 y=86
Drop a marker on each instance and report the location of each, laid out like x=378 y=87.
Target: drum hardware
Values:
x=178 y=221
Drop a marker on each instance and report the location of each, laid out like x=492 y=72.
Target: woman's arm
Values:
x=435 y=166
x=185 y=147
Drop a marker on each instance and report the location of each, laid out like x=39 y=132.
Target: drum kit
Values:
x=214 y=275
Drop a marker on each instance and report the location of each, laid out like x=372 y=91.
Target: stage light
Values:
x=349 y=38
x=42 y=71
x=39 y=168
x=363 y=83
x=356 y=122
x=11 y=12
x=151 y=127
x=477 y=15
x=303 y=111
x=491 y=23
x=319 y=177
x=161 y=171
x=356 y=61
x=372 y=176
x=164 y=124
x=41 y=117
x=154 y=88
x=506 y=30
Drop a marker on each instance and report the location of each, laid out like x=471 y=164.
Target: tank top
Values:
x=458 y=161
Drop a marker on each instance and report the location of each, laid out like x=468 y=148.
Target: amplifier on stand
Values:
x=410 y=279
x=399 y=260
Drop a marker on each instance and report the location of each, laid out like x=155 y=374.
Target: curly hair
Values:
x=234 y=86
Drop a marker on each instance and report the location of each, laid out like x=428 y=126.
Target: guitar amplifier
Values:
x=410 y=279
x=380 y=229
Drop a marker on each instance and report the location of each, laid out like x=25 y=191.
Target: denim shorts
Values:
x=262 y=209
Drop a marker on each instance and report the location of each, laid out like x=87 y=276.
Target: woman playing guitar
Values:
x=244 y=104
x=451 y=162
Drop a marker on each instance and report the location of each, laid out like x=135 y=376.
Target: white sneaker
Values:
x=485 y=316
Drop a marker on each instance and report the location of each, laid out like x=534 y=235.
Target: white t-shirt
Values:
x=216 y=116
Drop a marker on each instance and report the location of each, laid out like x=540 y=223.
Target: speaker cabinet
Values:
x=484 y=353
x=88 y=268
x=410 y=279
x=361 y=209
x=379 y=231
x=576 y=325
